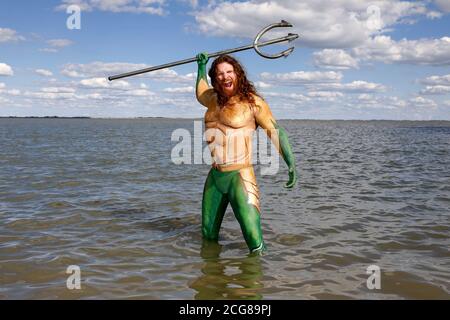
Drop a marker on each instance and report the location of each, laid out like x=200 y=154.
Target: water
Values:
x=104 y=195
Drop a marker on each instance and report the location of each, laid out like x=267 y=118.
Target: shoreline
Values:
x=171 y=118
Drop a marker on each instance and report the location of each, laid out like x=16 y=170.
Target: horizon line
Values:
x=201 y=118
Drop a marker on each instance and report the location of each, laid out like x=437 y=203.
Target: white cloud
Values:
x=396 y=102
x=93 y=96
x=324 y=24
x=9 y=35
x=435 y=90
x=83 y=4
x=123 y=89
x=325 y=94
x=4 y=101
x=423 y=51
x=105 y=69
x=131 y=6
x=298 y=97
x=192 y=3
x=6 y=70
x=262 y=85
x=422 y=102
x=301 y=77
x=379 y=102
x=95 y=83
x=334 y=59
x=58 y=90
x=138 y=93
x=329 y=96
x=384 y=49
x=102 y=83
x=434 y=15
x=437 y=80
x=92 y=92
x=318 y=81
x=354 y=86
x=436 y=85
x=72 y=73
x=99 y=69
x=50 y=50
x=56 y=45
x=337 y=24
x=44 y=72
x=180 y=90
x=50 y=95
x=11 y=92
x=365 y=97
x=59 y=43
x=444 y=5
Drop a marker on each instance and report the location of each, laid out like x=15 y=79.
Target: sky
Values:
x=354 y=59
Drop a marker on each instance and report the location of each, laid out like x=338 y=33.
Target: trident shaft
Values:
x=256 y=45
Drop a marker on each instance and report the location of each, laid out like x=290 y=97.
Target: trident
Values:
x=256 y=45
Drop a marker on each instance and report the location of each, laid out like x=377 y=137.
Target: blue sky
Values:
x=354 y=59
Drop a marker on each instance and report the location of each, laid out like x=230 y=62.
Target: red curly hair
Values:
x=244 y=89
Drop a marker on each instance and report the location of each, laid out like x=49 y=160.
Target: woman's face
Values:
x=226 y=78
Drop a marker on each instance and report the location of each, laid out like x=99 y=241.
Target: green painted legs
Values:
x=220 y=189
x=247 y=215
x=214 y=204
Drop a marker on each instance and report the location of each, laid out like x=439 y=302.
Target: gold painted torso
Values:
x=229 y=132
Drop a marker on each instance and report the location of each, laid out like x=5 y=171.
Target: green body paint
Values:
x=220 y=189
x=287 y=154
x=202 y=61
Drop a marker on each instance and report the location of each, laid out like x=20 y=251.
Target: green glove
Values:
x=287 y=154
x=202 y=60
x=292 y=178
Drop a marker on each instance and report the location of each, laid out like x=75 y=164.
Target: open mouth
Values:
x=228 y=84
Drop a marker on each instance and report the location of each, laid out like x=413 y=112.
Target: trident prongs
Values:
x=284 y=53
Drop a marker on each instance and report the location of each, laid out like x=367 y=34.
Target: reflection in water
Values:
x=230 y=278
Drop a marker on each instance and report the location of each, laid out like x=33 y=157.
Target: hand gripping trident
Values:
x=256 y=45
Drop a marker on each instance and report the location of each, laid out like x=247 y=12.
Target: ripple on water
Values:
x=409 y=286
x=103 y=195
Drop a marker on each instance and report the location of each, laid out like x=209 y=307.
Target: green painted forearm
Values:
x=285 y=147
x=201 y=73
